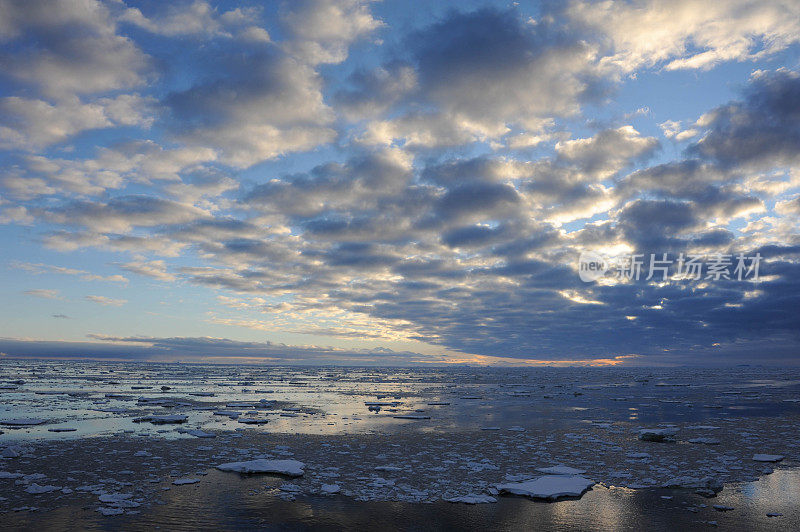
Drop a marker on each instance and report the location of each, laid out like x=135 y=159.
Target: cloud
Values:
x=29 y=124
x=208 y=349
x=44 y=293
x=199 y=19
x=125 y=212
x=156 y=269
x=69 y=47
x=322 y=30
x=106 y=301
x=257 y=105
x=39 y=268
x=484 y=72
x=688 y=34
x=424 y=179
x=762 y=131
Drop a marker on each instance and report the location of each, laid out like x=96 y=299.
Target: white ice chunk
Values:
x=549 y=487
x=290 y=468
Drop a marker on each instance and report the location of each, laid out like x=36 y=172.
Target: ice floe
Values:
x=767 y=457
x=22 y=422
x=550 y=487
x=290 y=468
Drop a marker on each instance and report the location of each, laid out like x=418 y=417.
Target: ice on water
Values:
x=464 y=435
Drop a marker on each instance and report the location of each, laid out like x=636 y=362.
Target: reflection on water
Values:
x=104 y=398
x=232 y=502
x=481 y=427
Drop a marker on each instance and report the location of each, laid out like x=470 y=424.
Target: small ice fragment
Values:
x=637 y=455
x=161 y=420
x=657 y=435
x=182 y=481
x=252 y=420
x=561 y=470
x=330 y=489
x=705 y=441
x=767 y=457
x=36 y=489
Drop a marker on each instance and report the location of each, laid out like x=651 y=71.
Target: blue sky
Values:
x=397 y=182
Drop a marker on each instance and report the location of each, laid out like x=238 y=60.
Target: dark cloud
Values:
x=202 y=348
x=762 y=131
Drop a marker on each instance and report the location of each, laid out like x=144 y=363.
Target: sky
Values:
x=395 y=183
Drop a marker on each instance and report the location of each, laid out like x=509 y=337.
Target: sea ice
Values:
x=290 y=468
x=201 y=434
x=182 y=481
x=163 y=419
x=252 y=420
x=22 y=422
x=657 y=435
x=767 y=457
x=330 y=489
x=549 y=487
x=561 y=470
x=36 y=489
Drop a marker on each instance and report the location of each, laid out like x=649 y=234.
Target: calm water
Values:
x=475 y=428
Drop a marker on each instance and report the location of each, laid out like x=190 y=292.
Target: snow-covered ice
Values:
x=549 y=487
x=290 y=468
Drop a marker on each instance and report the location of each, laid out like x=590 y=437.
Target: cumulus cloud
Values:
x=29 y=124
x=431 y=180
x=123 y=213
x=322 y=30
x=69 y=47
x=258 y=105
x=688 y=34
x=485 y=71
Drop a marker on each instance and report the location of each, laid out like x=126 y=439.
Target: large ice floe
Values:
x=550 y=487
x=290 y=468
